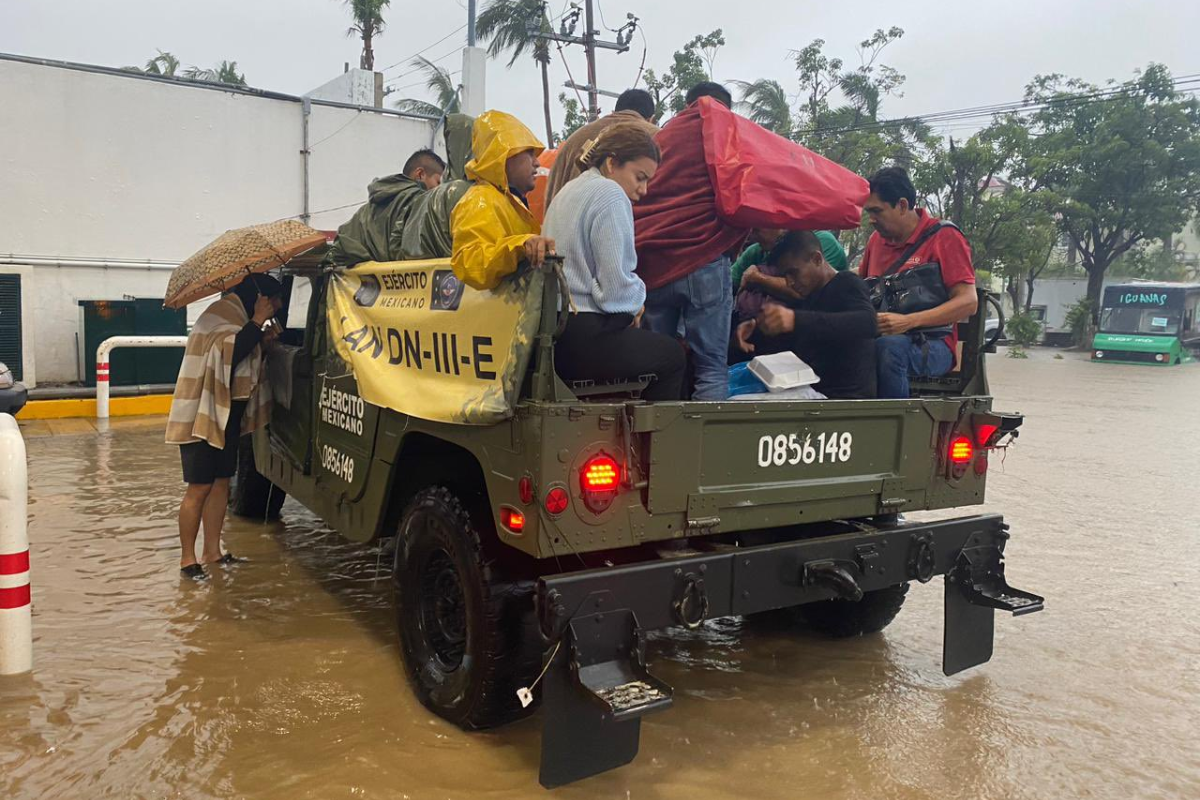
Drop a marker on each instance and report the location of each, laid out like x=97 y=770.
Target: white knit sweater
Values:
x=591 y=223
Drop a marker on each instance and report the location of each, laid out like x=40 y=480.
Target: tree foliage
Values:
x=1023 y=329
x=766 y=102
x=169 y=66
x=574 y=117
x=438 y=81
x=1119 y=166
x=224 y=72
x=512 y=26
x=690 y=65
x=1010 y=228
x=368 y=26
x=162 y=64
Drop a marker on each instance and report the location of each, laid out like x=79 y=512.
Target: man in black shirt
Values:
x=832 y=328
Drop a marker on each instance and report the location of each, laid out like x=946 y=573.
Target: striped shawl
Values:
x=204 y=391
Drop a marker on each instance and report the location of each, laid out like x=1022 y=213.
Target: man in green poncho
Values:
x=376 y=231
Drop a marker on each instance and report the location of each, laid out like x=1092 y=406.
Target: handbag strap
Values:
x=912 y=248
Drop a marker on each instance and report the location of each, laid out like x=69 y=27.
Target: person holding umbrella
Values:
x=220 y=396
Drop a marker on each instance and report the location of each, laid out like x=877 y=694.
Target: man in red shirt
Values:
x=906 y=345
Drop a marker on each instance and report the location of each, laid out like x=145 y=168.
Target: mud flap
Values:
x=594 y=694
x=975 y=588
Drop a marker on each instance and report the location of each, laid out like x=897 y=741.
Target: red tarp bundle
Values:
x=763 y=180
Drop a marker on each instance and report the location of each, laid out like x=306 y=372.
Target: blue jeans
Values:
x=703 y=302
x=901 y=355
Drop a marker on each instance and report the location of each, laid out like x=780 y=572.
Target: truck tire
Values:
x=250 y=493
x=843 y=618
x=468 y=633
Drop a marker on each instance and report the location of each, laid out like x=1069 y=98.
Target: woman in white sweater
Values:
x=591 y=223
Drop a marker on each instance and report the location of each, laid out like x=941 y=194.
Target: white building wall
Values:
x=355 y=86
x=105 y=167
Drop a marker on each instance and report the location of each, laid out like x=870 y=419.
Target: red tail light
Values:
x=599 y=479
x=557 y=500
x=961 y=451
x=984 y=433
x=601 y=474
x=525 y=489
x=512 y=519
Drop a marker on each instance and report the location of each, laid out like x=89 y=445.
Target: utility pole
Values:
x=589 y=47
x=591 y=43
x=473 y=100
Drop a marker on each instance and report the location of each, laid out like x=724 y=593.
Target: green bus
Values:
x=1148 y=323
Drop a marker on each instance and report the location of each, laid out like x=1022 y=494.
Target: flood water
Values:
x=280 y=678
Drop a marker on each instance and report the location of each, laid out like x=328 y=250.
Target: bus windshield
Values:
x=1140 y=320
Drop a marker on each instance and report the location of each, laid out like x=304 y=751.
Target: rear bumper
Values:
x=597 y=686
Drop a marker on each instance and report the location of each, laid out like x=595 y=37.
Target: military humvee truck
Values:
x=533 y=554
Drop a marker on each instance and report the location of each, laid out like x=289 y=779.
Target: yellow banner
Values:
x=421 y=342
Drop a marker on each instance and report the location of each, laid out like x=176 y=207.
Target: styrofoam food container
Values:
x=780 y=371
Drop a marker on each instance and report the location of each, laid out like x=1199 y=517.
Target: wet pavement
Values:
x=280 y=678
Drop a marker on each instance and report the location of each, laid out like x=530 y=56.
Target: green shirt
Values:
x=754 y=254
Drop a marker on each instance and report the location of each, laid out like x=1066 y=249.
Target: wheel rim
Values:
x=443 y=609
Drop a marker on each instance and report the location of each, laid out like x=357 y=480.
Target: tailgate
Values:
x=716 y=460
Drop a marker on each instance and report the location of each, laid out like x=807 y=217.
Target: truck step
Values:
x=995 y=592
x=633 y=698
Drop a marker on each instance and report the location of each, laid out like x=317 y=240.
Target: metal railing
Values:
x=108 y=345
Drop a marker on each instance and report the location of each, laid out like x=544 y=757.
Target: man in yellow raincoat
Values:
x=492 y=225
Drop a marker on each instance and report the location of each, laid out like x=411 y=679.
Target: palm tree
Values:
x=441 y=83
x=225 y=72
x=514 y=25
x=162 y=64
x=765 y=102
x=368 y=23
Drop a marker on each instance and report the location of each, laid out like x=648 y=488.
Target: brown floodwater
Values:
x=280 y=678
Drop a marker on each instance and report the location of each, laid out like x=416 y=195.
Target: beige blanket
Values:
x=206 y=390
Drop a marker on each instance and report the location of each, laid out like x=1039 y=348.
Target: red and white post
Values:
x=16 y=623
x=102 y=388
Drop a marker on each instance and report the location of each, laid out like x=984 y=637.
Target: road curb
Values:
x=142 y=405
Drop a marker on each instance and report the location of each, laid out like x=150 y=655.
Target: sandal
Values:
x=229 y=558
x=194 y=571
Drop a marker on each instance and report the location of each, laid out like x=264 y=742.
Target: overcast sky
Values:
x=954 y=54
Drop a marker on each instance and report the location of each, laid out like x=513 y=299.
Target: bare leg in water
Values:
x=190 y=512
x=214 y=520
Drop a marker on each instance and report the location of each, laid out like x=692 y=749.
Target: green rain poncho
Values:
x=376 y=230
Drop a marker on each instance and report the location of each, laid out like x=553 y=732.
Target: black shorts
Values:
x=203 y=463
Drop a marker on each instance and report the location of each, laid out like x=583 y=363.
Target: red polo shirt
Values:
x=948 y=248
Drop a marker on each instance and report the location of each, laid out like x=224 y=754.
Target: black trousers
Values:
x=602 y=347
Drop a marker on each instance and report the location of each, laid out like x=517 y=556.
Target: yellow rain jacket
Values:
x=490 y=225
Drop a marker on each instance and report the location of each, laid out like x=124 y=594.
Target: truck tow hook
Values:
x=834 y=576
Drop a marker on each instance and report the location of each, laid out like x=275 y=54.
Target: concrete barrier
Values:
x=16 y=623
x=110 y=344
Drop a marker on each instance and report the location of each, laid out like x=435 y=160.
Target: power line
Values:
x=642 y=66
x=420 y=67
x=427 y=48
x=421 y=83
x=571 y=77
x=603 y=21
x=350 y=122
x=979 y=112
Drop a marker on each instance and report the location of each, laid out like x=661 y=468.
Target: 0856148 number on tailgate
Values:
x=780 y=449
x=758 y=453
